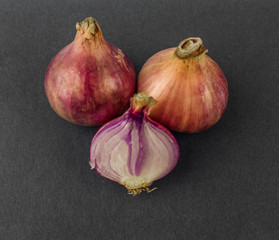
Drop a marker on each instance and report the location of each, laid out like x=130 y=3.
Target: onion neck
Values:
x=190 y=47
x=142 y=102
x=89 y=29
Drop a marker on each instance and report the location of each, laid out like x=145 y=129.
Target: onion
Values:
x=133 y=150
x=191 y=89
x=90 y=81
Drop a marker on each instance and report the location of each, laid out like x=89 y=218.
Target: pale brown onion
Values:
x=191 y=89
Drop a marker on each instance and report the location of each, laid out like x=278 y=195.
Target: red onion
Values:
x=191 y=89
x=90 y=81
x=133 y=150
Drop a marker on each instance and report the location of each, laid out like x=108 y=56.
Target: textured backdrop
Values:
x=226 y=185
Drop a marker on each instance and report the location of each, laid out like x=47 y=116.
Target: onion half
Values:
x=133 y=150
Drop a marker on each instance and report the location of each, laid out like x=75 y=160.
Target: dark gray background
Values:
x=226 y=185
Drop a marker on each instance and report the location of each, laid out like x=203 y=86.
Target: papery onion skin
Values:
x=191 y=90
x=134 y=150
x=90 y=81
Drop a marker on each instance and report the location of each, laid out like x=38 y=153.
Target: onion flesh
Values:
x=133 y=150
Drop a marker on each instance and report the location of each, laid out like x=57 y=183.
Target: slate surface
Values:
x=226 y=185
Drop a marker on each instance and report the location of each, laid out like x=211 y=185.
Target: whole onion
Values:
x=133 y=150
x=191 y=89
x=89 y=81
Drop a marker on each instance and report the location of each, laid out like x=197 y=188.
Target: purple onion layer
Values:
x=133 y=150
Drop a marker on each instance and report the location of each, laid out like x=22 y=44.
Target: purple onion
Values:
x=133 y=150
x=90 y=81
